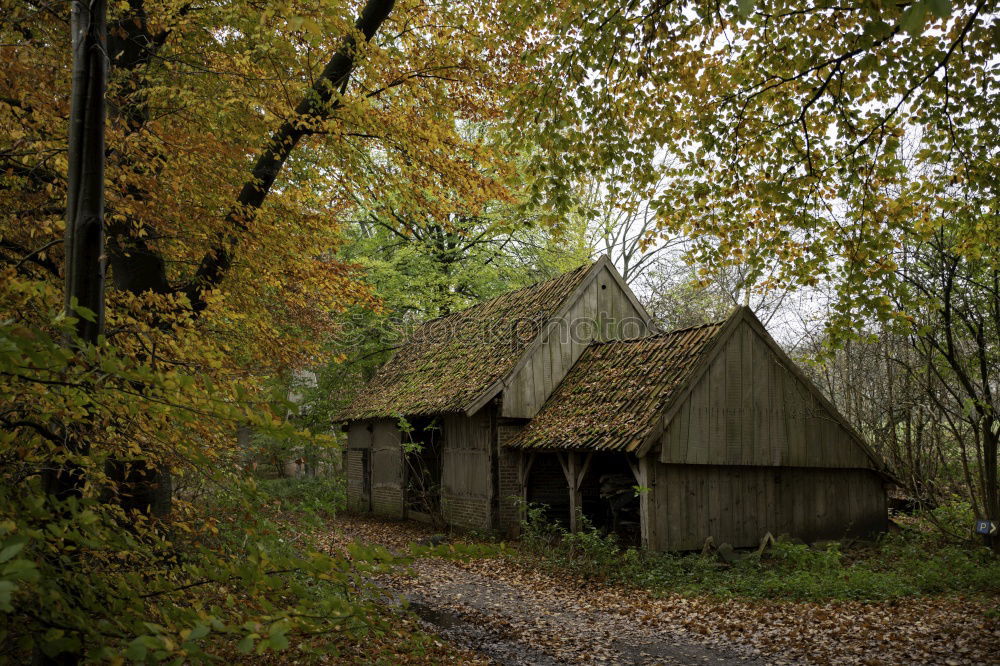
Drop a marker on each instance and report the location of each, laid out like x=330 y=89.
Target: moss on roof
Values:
x=451 y=361
x=611 y=397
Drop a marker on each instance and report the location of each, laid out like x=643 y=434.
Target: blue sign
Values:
x=986 y=527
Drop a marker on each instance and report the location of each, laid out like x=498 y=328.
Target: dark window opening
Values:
x=422 y=457
x=610 y=498
x=547 y=488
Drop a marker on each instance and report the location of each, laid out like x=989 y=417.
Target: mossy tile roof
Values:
x=449 y=362
x=612 y=396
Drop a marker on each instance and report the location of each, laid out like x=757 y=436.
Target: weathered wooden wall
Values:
x=466 y=476
x=359 y=440
x=602 y=311
x=357 y=499
x=387 y=470
x=359 y=435
x=739 y=504
x=750 y=409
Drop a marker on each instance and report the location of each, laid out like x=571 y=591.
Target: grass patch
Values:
x=914 y=562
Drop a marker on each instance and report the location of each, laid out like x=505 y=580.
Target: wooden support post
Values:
x=575 y=497
x=563 y=462
x=641 y=470
x=583 y=470
x=574 y=472
x=634 y=466
x=523 y=471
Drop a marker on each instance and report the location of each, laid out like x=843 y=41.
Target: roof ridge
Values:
x=692 y=328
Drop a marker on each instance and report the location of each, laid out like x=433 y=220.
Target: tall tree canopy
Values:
x=809 y=137
x=208 y=102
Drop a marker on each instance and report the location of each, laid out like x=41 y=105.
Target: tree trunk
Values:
x=84 y=269
x=315 y=105
x=141 y=484
x=991 y=492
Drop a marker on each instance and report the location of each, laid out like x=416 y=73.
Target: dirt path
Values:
x=513 y=622
x=512 y=614
x=514 y=619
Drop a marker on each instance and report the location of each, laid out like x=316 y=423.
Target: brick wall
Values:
x=387 y=501
x=467 y=512
x=510 y=489
x=547 y=485
x=387 y=470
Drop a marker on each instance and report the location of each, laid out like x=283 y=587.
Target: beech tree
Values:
x=238 y=137
x=809 y=138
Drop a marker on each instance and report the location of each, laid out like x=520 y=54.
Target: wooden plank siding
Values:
x=739 y=504
x=359 y=435
x=466 y=479
x=387 y=469
x=749 y=409
x=603 y=310
x=359 y=444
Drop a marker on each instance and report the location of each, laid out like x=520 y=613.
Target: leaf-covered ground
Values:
x=511 y=613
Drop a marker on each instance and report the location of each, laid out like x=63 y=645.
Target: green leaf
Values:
x=277 y=636
x=21 y=570
x=199 y=631
x=279 y=642
x=914 y=17
x=246 y=644
x=86 y=313
x=10 y=551
x=940 y=8
x=311 y=26
x=744 y=7
x=6 y=590
x=136 y=650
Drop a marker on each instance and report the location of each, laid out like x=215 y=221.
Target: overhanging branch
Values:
x=317 y=105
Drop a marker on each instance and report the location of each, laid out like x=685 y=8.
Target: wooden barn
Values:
x=564 y=394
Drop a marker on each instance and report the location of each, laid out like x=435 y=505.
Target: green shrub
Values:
x=592 y=552
x=910 y=563
x=537 y=532
x=321 y=495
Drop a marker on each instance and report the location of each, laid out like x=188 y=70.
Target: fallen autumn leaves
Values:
x=514 y=613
